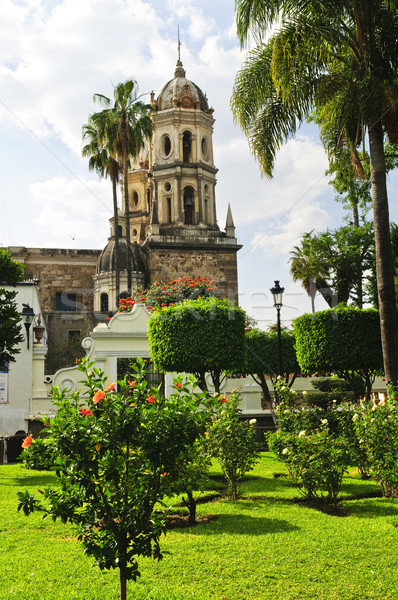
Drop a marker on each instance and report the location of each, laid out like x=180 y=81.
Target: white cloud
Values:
x=72 y=213
x=286 y=232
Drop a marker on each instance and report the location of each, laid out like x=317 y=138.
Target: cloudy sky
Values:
x=56 y=54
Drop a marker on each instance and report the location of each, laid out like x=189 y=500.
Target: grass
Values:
x=263 y=546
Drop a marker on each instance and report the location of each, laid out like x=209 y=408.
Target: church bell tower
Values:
x=172 y=192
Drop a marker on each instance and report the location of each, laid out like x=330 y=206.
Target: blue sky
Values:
x=56 y=54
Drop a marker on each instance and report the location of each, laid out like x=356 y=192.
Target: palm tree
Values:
x=101 y=161
x=124 y=127
x=341 y=55
x=305 y=267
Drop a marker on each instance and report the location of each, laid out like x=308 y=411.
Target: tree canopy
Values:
x=11 y=273
x=340 y=340
x=124 y=127
x=198 y=336
x=340 y=56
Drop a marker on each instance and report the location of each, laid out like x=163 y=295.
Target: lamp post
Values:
x=27 y=315
x=277 y=292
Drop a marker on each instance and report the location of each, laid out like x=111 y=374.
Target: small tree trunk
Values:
x=234 y=490
x=123 y=584
x=191 y=505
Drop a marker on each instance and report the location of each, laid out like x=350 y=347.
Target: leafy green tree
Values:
x=336 y=259
x=262 y=358
x=105 y=164
x=340 y=56
x=341 y=340
x=198 y=336
x=11 y=273
x=114 y=451
x=124 y=128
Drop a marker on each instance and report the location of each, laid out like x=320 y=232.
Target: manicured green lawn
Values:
x=264 y=546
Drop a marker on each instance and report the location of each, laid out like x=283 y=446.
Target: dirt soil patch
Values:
x=181 y=521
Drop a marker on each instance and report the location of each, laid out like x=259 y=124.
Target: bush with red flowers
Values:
x=160 y=294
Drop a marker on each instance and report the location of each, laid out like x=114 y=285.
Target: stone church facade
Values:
x=173 y=223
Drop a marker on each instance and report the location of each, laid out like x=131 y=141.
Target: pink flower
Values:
x=111 y=387
x=100 y=395
x=86 y=412
x=151 y=399
x=27 y=441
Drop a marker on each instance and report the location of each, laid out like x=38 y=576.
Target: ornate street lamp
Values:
x=277 y=292
x=27 y=315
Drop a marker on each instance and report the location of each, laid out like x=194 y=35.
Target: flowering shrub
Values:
x=111 y=460
x=232 y=441
x=38 y=454
x=376 y=427
x=160 y=294
x=316 y=460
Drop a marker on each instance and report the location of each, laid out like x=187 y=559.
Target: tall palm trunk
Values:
x=117 y=250
x=384 y=260
x=126 y=206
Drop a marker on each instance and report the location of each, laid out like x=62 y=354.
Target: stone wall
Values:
x=166 y=264
x=60 y=270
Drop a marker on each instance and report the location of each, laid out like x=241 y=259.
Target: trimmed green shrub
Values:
x=262 y=357
x=342 y=340
x=198 y=336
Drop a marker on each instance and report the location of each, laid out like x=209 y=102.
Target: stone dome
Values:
x=180 y=92
x=106 y=260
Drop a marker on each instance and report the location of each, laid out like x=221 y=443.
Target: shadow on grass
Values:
x=246 y=525
x=42 y=480
x=371 y=508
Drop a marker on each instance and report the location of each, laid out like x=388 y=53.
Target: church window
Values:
x=134 y=201
x=119 y=231
x=205 y=149
x=168 y=203
x=104 y=302
x=206 y=188
x=65 y=301
x=167 y=186
x=135 y=232
x=189 y=205
x=166 y=145
x=186 y=146
x=74 y=336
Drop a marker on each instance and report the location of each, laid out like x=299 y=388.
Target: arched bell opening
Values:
x=189 y=205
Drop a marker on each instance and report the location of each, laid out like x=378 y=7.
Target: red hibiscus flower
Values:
x=111 y=387
x=224 y=399
x=178 y=385
x=132 y=384
x=151 y=399
x=100 y=395
x=86 y=412
x=27 y=441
